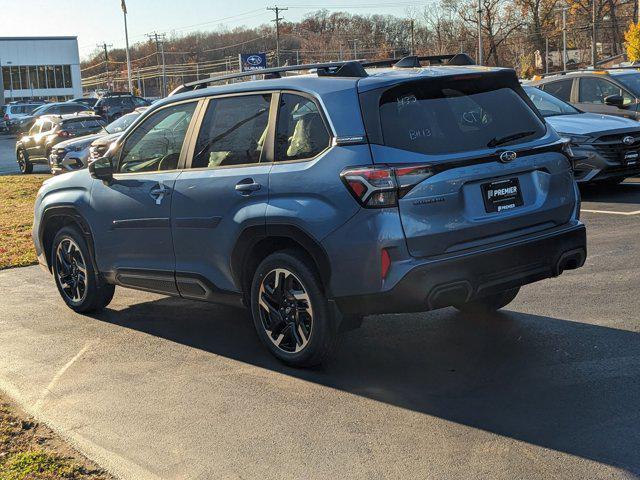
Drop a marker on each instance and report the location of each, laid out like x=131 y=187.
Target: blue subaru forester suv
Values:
x=316 y=199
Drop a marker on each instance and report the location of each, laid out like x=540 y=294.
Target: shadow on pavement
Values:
x=567 y=386
x=628 y=193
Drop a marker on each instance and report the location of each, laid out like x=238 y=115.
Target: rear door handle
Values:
x=247 y=186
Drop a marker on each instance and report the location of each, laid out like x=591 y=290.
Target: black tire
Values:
x=24 y=164
x=490 y=303
x=301 y=316
x=72 y=265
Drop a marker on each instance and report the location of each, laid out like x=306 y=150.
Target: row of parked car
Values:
x=61 y=134
x=597 y=110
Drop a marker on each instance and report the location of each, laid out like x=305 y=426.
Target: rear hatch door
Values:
x=496 y=171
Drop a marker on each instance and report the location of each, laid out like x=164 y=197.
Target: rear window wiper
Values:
x=494 y=142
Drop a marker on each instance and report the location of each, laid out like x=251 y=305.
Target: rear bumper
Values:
x=441 y=283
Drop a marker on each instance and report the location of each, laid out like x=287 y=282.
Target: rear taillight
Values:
x=64 y=133
x=379 y=187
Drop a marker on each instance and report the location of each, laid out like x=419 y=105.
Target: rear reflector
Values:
x=385 y=263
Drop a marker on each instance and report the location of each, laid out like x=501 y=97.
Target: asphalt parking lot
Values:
x=159 y=387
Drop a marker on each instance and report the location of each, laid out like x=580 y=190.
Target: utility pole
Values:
x=159 y=39
x=126 y=39
x=594 y=54
x=479 y=32
x=412 y=38
x=106 y=62
x=355 y=48
x=277 y=10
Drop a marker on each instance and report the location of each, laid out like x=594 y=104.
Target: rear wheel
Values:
x=490 y=303
x=24 y=164
x=290 y=310
x=75 y=277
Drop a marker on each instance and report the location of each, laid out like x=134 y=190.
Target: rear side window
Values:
x=47 y=126
x=560 y=89
x=452 y=116
x=233 y=131
x=300 y=131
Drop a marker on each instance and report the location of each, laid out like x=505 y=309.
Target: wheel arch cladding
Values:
x=255 y=243
x=55 y=218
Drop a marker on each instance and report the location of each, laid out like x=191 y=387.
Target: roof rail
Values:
x=334 y=69
x=587 y=70
x=352 y=68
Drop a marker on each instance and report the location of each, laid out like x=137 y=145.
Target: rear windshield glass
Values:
x=453 y=116
x=82 y=125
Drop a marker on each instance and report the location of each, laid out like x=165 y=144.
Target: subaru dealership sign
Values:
x=252 y=61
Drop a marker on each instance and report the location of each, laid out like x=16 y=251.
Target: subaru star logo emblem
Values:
x=508 y=156
x=628 y=140
x=254 y=60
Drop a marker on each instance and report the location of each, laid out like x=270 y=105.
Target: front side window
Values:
x=453 y=116
x=156 y=144
x=595 y=90
x=233 y=131
x=560 y=89
x=300 y=131
x=35 y=129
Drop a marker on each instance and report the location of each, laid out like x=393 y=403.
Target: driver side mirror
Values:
x=614 y=101
x=102 y=169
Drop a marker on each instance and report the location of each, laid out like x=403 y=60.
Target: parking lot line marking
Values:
x=611 y=212
x=56 y=378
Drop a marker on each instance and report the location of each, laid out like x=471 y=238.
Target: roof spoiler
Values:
x=415 y=61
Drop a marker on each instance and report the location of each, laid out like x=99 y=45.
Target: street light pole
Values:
x=564 y=37
x=126 y=38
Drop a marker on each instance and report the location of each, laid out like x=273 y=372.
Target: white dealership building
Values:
x=43 y=68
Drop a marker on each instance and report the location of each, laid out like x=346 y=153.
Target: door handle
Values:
x=158 y=192
x=247 y=186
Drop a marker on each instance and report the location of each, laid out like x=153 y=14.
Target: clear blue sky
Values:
x=97 y=21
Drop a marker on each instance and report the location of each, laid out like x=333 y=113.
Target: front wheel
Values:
x=490 y=303
x=24 y=164
x=290 y=311
x=75 y=277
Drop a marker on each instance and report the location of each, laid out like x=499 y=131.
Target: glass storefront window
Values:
x=27 y=77
x=67 y=76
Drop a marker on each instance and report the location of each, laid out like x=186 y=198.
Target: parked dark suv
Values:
x=316 y=199
x=614 y=92
x=49 y=130
x=113 y=105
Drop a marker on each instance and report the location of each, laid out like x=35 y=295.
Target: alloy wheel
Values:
x=285 y=310
x=71 y=270
x=22 y=164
